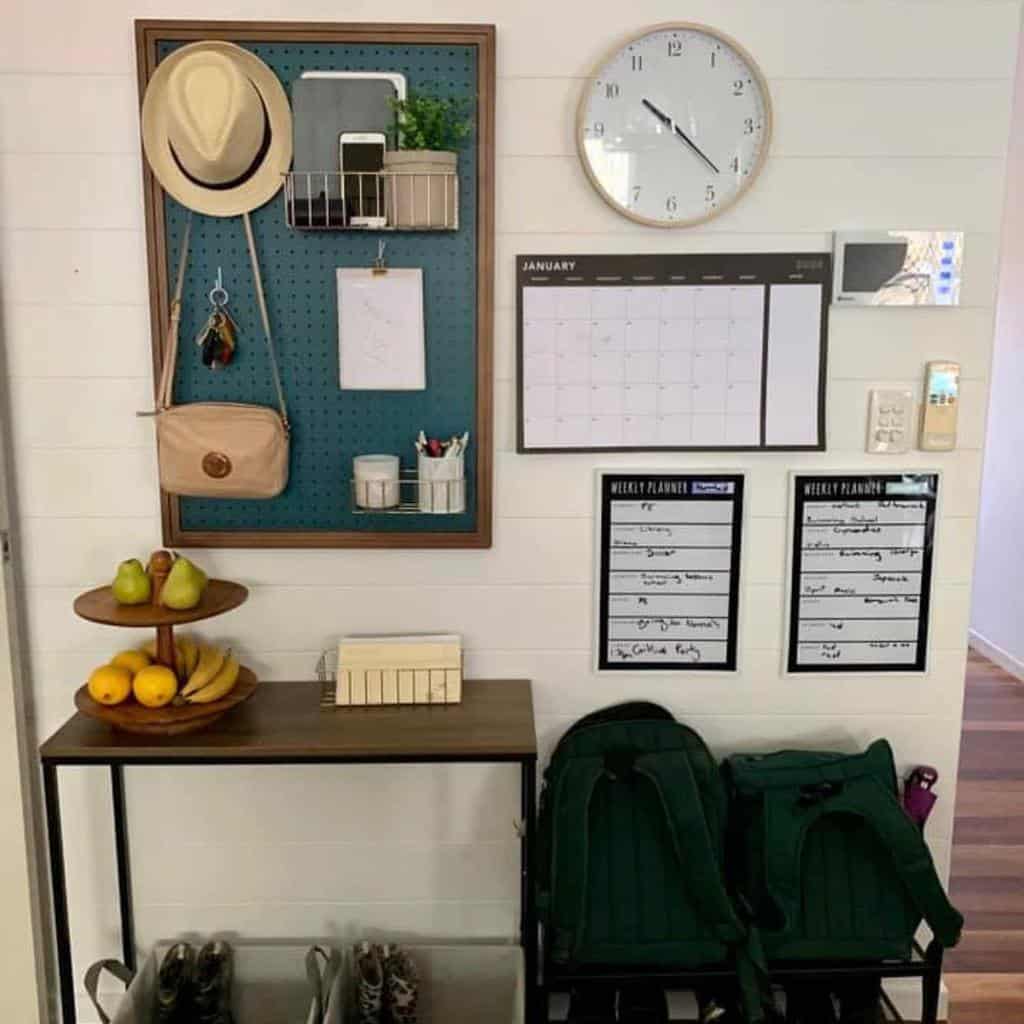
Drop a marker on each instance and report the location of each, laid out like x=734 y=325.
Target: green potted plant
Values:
x=421 y=168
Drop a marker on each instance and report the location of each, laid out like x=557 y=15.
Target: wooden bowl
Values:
x=99 y=605
x=166 y=721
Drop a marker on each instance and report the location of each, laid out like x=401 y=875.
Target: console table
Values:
x=283 y=723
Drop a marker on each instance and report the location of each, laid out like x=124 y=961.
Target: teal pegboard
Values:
x=331 y=426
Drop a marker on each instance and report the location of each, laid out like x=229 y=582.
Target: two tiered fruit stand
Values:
x=101 y=606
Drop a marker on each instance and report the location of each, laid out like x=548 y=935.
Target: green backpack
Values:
x=822 y=850
x=632 y=846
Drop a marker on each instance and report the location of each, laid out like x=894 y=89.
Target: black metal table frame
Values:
x=58 y=877
x=925 y=964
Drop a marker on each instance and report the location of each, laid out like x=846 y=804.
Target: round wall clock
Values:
x=674 y=125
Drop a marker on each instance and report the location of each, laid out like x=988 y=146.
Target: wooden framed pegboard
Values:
x=330 y=426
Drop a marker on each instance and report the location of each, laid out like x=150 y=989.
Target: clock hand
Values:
x=669 y=123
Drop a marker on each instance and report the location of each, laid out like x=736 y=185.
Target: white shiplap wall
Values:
x=889 y=113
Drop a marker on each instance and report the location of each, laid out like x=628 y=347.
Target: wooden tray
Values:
x=166 y=721
x=100 y=606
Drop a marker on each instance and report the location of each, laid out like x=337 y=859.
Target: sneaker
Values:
x=642 y=1003
x=175 y=986
x=592 y=1004
x=214 y=971
x=401 y=986
x=369 y=983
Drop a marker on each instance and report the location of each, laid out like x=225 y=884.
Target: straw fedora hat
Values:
x=217 y=128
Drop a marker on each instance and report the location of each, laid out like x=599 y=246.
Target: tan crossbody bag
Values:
x=220 y=449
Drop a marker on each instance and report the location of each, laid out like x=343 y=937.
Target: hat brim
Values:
x=264 y=182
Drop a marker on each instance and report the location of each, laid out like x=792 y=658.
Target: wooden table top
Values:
x=284 y=723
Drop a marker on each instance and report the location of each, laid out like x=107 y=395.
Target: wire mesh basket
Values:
x=371 y=200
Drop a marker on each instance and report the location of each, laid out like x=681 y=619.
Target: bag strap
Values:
x=165 y=393
x=92 y=982
x=865 y=798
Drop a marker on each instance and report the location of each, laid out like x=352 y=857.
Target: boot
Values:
x=214 y=971
x=642 y=1003
x=401 y=986
x=369 y=983
x=592 y=1004
x=175 y=986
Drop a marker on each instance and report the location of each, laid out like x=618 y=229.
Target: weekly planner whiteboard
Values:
x=861 y=563
x=668 y=571
x=672 y=352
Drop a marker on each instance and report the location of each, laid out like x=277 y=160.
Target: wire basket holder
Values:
x=410 y=494
x=371 y=200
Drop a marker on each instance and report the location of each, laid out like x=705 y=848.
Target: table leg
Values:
x=58 y=885
x=528 y=896
x=124 y=874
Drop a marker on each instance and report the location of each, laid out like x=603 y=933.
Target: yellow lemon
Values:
x=134 y=661
x=110 y=684
x=155 y=686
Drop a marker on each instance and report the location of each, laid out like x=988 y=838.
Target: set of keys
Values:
x=217 y=339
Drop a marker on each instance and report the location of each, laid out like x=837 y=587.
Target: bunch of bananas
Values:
x=207 y=673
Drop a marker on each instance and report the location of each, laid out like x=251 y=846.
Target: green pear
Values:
x=183 y=587
x=131 y=584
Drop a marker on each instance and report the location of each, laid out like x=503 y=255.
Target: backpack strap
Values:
x=790 y=817
x=671 y=774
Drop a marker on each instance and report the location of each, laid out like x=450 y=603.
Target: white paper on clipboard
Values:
x=380 y=330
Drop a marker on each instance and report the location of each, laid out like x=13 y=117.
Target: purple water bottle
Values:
x=918 y=797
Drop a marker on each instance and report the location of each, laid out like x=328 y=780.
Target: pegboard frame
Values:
x=149 y=34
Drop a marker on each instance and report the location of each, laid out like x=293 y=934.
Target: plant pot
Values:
x=421 y=188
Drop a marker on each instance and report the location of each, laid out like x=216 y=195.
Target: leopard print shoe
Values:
x=369 y=983
x=401 y=987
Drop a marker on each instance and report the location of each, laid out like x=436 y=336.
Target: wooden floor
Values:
x=985 y=973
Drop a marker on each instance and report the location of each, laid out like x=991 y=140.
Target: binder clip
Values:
x=379 y=266
x=918 y=797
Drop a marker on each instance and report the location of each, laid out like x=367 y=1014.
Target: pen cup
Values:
x=376 y=481
x=442 y=484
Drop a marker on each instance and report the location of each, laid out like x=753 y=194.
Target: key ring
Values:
x=218 y=293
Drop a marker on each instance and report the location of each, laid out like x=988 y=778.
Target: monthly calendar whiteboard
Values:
x=672 y=352
x=860 y=589
x=668 y=572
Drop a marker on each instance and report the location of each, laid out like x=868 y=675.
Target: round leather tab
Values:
x=216 y=465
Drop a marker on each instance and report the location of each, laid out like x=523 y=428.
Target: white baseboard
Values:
x=905 y=994
x=1004 y=659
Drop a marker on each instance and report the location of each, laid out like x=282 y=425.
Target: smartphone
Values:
x=360 y=157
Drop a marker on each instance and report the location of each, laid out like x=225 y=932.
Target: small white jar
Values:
x=442 y=484
x=376 y=480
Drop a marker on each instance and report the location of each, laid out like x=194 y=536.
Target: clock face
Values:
x=674 y=126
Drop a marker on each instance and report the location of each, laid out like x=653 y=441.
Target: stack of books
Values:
x=411 y=668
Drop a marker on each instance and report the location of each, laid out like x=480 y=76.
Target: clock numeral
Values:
x=636 y=194
x=598 y=129
x=611 y=90
x=737 y=87
x=714 y=57
x=637 y=62
x=709 y=194
x=735 y=165
x=671 y=204
x=748 y=126
x=675 y=47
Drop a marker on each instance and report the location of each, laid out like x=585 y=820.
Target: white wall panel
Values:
x=889 y=114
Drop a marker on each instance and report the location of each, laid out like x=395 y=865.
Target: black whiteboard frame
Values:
x=920 y=664
x=667 y=268
x=604 y=478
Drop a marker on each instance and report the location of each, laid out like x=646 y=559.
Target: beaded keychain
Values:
x=217 y=337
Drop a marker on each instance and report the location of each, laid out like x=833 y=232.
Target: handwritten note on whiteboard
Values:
x=380 y=330
x=669 y=571
x=861 y=573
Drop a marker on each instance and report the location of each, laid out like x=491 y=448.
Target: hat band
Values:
x=246 y=174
